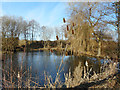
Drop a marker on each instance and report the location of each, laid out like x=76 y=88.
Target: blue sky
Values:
x=46 y=13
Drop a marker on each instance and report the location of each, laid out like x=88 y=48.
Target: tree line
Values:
x=88 y=27
x=15 y=27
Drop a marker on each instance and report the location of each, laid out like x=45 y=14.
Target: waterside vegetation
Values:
x=86 y=34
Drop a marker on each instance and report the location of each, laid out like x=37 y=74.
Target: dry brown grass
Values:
x=106 y=75
x=81 y=75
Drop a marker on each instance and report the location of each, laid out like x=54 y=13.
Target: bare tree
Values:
x=34 y=27
x=11 y=29
x=25 y=31
x=117 y=7
x=85 y=19
x=46 y=35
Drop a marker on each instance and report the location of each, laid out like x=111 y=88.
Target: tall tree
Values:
x=25 y=31
x=117 y=6
x=11 y=29
x=12 y=26
x=34 y=27
x=85 y=19
x=46 y=35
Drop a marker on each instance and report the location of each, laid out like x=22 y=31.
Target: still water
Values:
x=39 y=61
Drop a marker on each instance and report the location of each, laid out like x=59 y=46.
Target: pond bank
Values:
x=67 y=52
x=50 y=62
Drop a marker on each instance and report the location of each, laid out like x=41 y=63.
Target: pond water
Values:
x=39 y=61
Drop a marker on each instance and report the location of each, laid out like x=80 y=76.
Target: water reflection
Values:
x=41 y=61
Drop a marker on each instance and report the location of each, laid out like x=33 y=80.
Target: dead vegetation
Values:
x=83 y=38
x=82 y=77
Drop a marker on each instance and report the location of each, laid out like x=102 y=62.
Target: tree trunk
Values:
x=71 y=49
x=118 y=42
x=118 y=26
x=44 y=44
x=32 y=37
x=99 y=48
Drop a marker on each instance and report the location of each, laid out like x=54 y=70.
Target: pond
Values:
x=39 y=61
